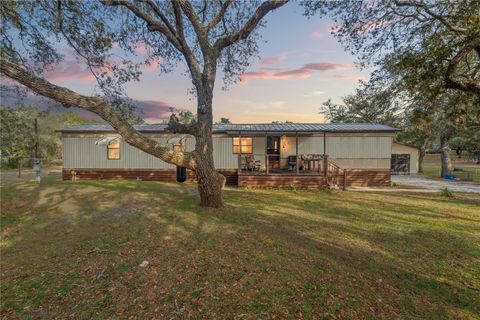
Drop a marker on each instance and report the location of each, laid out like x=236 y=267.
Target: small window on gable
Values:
x=113 y=150
x=242 y=145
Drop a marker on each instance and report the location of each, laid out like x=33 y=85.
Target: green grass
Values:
x=472 y=171
x=72 y=250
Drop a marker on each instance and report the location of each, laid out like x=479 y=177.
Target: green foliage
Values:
x=186 y=117
x=447 y=193
x=18 y=138
x=417 y=37
x=224 y=121
x=372 y=103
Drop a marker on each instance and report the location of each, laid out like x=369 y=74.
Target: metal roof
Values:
x=256 y=127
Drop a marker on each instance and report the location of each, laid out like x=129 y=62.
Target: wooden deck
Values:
x=352 y=177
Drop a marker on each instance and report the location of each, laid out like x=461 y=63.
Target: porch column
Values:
x=324 y=143
x=240 y=154
x=296 y=153
x=266 y=153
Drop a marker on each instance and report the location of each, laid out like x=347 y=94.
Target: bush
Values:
x=447 y=193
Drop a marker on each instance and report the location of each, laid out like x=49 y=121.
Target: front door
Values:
x=273 y=151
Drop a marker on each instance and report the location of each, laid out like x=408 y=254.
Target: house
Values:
x=263 y=155
x=404 y=158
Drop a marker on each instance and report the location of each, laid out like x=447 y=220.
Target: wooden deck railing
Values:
x=267 y=164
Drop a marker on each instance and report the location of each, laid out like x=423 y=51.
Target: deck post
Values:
x=324 y=143
x=325 y=164
x=240 y=154
x=266 y=154
x=296 y=153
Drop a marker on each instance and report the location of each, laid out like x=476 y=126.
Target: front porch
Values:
x=284 y=160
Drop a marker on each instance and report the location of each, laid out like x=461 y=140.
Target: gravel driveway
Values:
x=431 y=184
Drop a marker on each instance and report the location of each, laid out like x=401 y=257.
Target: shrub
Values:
x=447 y=193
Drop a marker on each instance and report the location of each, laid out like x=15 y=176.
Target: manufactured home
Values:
x=260 y=155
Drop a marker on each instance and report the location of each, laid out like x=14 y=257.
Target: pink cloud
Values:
x=273 y=60
x=153 y=65
x=322 y=33
x=347 y=77
x=301 y=73
x=70 y=69
x=154 y=111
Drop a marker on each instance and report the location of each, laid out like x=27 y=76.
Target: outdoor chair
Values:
x=251 y=164
x=292 y=163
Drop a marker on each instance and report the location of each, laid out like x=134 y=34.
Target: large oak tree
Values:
x=441 y=37
x=205 y=35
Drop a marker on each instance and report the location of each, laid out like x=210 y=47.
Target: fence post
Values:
x=345 y=179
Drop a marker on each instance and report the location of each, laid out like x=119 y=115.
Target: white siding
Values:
x=359 y=147
x=223 y=156
x=355 y=151
x=310 y=145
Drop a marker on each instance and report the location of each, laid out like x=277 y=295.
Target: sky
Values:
x=301 y=66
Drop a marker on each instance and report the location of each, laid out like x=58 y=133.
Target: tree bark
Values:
x=210 y=182
x=421 y=157
x=446 y=161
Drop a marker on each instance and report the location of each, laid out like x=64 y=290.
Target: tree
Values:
x=224 y=121
x=442 y=35
x=18 y=137
x=206 y=35
x=372 y=103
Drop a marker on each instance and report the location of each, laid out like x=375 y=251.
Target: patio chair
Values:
x=292 y=163
x=251 y=164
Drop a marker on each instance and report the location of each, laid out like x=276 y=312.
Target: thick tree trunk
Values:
x=446 y=161
x=210 y=182
x=421 y=157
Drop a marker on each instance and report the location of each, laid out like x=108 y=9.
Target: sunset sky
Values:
x=302 y=65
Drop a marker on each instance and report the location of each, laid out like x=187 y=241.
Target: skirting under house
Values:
x=255 y=155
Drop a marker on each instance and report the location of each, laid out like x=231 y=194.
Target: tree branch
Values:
x=177 y=39
x=451 y=79
x=198 y=26
x=160 y=14
x=100 y=107
x=428 y=11
x=220 y=15
x=152 y=24
x=188 y=54
x=250 y=25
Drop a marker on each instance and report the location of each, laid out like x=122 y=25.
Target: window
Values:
x=245 y=145
x=113 y=150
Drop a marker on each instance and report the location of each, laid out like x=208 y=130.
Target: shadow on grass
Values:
x=267 y=253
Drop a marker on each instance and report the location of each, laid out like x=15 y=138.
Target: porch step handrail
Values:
x=333 y=174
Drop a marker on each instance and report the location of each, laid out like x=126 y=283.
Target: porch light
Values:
x=284 y=141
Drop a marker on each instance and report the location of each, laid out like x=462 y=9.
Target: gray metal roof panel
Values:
x=254 y=127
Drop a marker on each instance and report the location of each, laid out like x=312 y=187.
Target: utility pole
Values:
x=36 y=137
x=36 y=160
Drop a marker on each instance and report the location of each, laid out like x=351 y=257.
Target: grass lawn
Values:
x=472 y=171
x=73 y=250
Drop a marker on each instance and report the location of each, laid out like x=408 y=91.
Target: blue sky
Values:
x=301 y=66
